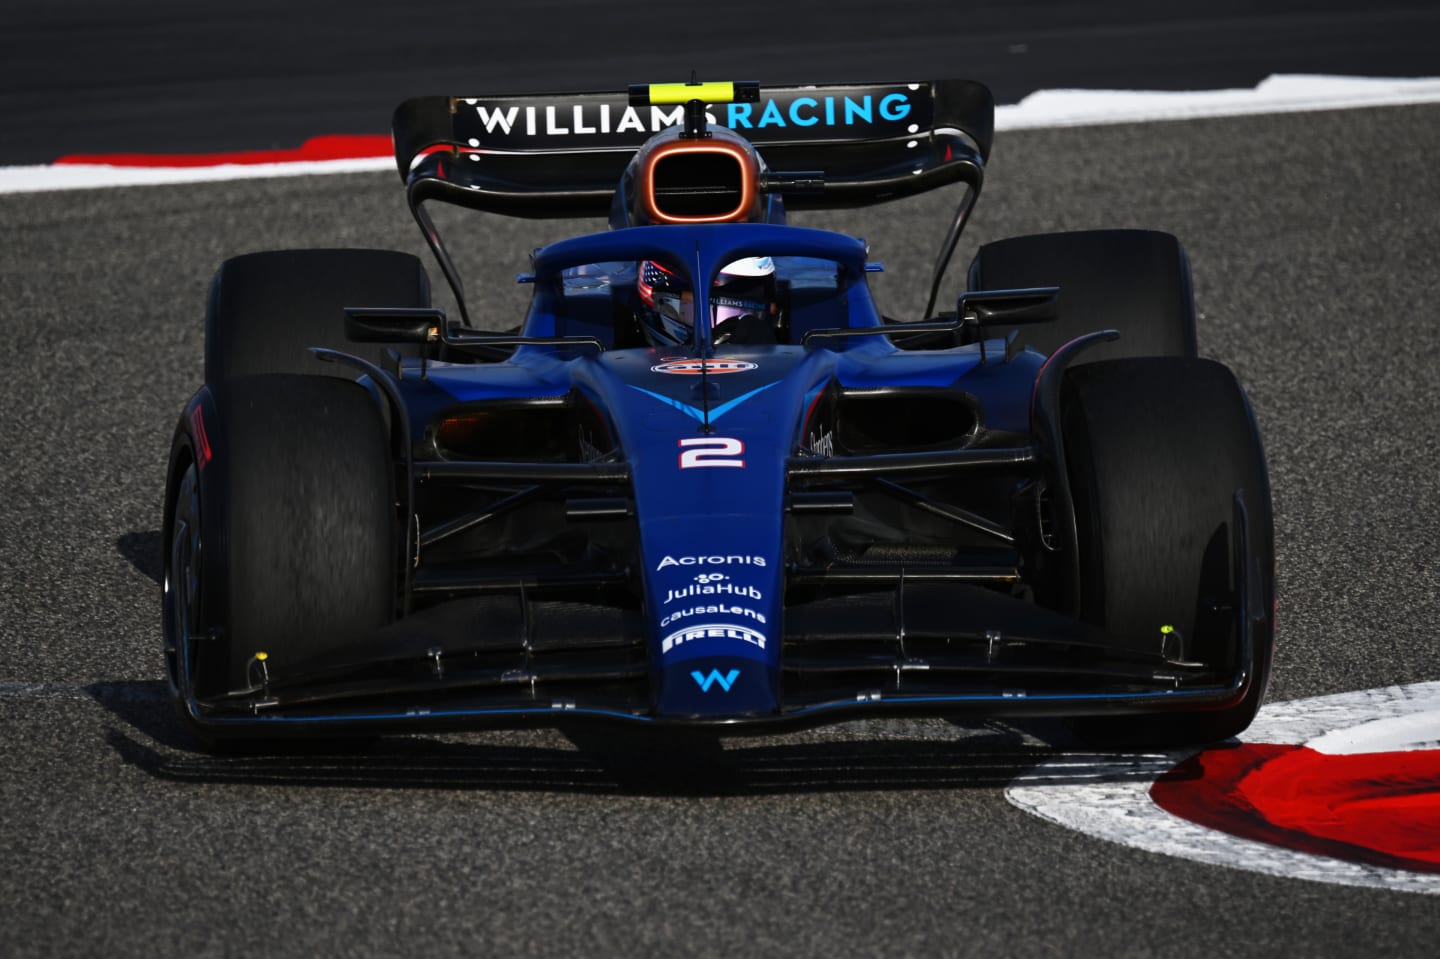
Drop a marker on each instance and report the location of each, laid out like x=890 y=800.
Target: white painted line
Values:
x=1120 y=809
x=75 y=176
x=1293 y=93
x=1290 y=93
x=116 y=691
x=43 y=691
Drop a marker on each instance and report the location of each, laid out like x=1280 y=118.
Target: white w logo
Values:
x=503 y=120
x=705 y=682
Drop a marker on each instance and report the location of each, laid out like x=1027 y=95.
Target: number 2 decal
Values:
x=697 y=451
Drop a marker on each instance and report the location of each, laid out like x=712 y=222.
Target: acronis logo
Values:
x=705 y=681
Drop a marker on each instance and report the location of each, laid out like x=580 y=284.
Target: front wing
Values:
x=917 y=644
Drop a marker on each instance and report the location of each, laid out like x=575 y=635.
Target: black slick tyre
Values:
x=1134 y=281
x=266 y=309
x=281 y=534
x=1156 y=450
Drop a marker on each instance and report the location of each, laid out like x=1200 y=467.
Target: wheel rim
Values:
x=182 y=586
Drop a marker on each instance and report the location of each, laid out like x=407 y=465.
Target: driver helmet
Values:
x=744 y=287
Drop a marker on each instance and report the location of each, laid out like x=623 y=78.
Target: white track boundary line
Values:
x=134 y=690
x=1117 y=806
x=1046 y=109
x=1283 y=93
x=79 y=176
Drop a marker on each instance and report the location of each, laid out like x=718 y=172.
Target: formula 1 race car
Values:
x=706 y=484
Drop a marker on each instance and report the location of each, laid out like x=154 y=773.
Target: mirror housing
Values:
x=370 y=324
x=1010 y=307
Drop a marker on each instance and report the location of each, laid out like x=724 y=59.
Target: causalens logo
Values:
x=861 y=112
x=705 y=681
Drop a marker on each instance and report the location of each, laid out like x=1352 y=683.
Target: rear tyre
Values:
x=266 y=309
x=1134 y=281
x=281 y=533
x=1156 y=450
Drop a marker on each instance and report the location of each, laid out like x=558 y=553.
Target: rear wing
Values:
x=563 y=154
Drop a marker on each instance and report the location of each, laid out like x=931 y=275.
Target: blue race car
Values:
x=705 y=483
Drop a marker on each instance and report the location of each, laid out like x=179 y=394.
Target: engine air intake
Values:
x=698 y=182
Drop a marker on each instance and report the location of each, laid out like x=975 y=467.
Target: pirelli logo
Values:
x=711 y=631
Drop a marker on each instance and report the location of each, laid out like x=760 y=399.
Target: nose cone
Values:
x=716 y=620
x=708 y=443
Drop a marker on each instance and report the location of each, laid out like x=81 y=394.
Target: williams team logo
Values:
x=783 y=114
x=715 y=678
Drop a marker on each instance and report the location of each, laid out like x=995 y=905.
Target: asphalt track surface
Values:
x=1314 y=239
x=94 y=76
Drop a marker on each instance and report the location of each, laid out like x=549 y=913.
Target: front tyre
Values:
x=281 y=535
x=1156 y=450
